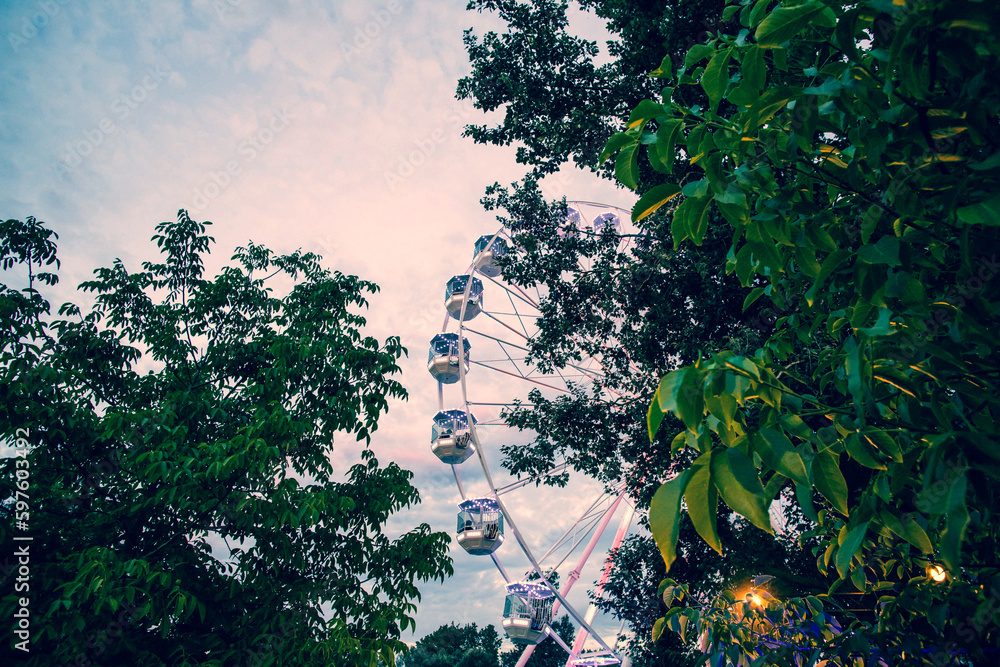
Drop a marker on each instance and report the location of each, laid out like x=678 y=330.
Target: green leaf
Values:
x=754 y=294
x=870 y=221
x=644 y=111
x=736 y=478
x=716 y=77
x=697 y=53
x=804 y=496
x=758 y=12
x=654 y=199
x=852 y=367
x=986 y=212
x=861 y=452
x=830 y=480
x=752 y=69
x=665 y=70
x=666 y=140
x=664 y=516
x=957 y=521
x=785 y=22
x=886 y=251
x=658 y=628
x=883 y=443
x=654 y=416
x=881 y=327
x=852 y=539
x=697 y=188
x=627 y=166
x=908 y=529
x=614 y=144
x=694 y=214
x=678 y=623
x=702 y=500
x=781 y=456
x=680 y=392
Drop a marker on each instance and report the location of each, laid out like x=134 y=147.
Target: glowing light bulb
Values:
x=937 y=573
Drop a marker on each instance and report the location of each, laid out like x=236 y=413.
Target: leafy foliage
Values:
x=456 y=646
x=559 y=103
x=854 y=150
x=181 y=499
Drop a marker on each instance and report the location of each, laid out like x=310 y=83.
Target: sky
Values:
x=330 y=126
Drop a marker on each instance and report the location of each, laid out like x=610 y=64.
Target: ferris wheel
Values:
x=482 y=364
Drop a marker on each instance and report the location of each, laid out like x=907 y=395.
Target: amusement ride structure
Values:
x=483 y=352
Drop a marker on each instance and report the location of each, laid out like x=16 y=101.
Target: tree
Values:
x=173 y=468
x=644 y=311
x=559 y=104
x=456 y=646
x=861 y=189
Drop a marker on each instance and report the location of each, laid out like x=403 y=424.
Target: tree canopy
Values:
x=854 y=150
x=172 y=476
x=456 y=646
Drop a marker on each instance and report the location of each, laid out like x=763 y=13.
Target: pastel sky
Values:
x=324 y=125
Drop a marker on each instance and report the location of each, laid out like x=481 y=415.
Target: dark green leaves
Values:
x=986 y=212
x=784 y=23
x=691 y=219
x=830 y=480
x=779 y=455
x=626 y=166
x=885 y=251
x=715 y=80
x=850 y=541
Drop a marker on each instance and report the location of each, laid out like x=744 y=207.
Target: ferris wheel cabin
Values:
x=571 y=225
x=480 y=526
x=526 y=612
x=443 y=360
x=454 y=297
x=487 y=254
x=451 y=440
x=607 y=220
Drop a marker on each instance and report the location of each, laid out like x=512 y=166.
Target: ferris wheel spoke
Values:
x=589 y=516
x=513 y=293
x=514 y=486
x=498 y=340
x=521 y=377
x=504 y=405
x=524 y=335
